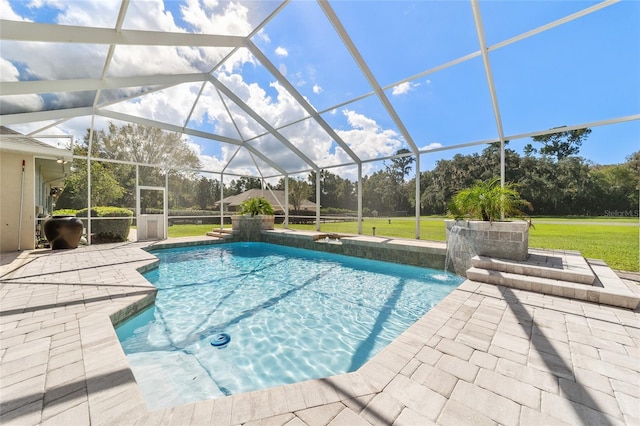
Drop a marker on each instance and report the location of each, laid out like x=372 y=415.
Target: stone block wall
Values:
x=409 y=254
x=249 y=228
x=502 y=240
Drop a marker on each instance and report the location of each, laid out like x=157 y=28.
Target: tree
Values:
x=495 y=146
x=243 y=184
x=377 y=193
x=299 y=191
x=397 y=189
x=400 y=166
x=183 y=191
x=335 y=191
x=620 y=186
x=135 y=143
x=529 y=150
x=633 y=162
x=105 y=189
x=144 y=145
x=206 y=194
x=562 y=144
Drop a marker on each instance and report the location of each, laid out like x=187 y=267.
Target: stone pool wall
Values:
x=428 y=254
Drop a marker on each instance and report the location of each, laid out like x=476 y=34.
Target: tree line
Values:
x=549 y=174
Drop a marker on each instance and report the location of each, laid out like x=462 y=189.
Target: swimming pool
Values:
x=291 y=315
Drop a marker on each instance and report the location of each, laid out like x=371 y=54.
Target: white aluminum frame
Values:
x=113 y=37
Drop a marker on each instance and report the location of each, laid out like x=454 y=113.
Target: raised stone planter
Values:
x=503 y=240
x=249 y=228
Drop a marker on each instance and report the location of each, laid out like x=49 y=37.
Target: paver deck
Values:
x=486 y=354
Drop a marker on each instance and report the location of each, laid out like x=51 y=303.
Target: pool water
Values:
x=291 y=315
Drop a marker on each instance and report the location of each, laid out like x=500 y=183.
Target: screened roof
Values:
x=287 y=87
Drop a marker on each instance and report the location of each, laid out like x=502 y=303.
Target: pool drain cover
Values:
x=220 y=339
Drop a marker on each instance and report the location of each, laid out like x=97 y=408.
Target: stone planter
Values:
x=63 y=232
x=249 y=228
x=503 y=240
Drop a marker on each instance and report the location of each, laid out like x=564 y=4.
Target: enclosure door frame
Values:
x=143 y=219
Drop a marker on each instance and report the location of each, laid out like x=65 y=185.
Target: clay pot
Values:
x=63 y=232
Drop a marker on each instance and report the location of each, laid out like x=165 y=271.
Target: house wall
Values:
x=10 y=184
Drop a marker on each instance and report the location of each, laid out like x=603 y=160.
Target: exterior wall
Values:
x=10 y=185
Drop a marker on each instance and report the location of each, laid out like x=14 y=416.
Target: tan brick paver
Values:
x=485 y=355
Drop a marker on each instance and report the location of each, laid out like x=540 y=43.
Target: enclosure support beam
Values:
x=221 y=200
x=286 y=201
x=417 y=197
x=137 y=201
x=318 y=199
x=360 y=199
x=490 y=82
x=89 y=180
x=165 y=201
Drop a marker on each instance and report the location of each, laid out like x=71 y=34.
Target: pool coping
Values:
x=113 y=397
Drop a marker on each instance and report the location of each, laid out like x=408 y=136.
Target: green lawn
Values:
x=616 y=245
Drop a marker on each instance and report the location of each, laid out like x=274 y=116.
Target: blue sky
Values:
x=584 y=71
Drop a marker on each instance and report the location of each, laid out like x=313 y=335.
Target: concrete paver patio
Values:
x=485 y=355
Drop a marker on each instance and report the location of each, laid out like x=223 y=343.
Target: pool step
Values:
x=605 y=288
x=220 y=233
x=575 y=270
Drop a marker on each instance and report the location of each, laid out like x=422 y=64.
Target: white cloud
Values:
x=215 y=18
x=404 y=88
x=17 y=103
x=281 y=51
x=317 y=89
x=283 y=69
x=46 y=61
x=432 y=145
x=6 y=11
x=83 y=13
x=367 y=138
x=8 y=72
x=262 y=35
x=169 y=106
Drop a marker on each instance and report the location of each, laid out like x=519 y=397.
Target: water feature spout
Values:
x=455 y=244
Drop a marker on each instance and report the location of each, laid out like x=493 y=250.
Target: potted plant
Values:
x=255 y=215
x=480 y=225
x=488 y=201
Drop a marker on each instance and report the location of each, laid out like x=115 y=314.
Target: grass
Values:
x=604 y=219
x=177 y=231
x=616 y=245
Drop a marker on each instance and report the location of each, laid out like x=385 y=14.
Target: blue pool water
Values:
x=291 y=315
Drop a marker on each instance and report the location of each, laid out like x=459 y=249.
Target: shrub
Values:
x=337 y=211
x=183 y=212
x=109 y=230
x=64 y=212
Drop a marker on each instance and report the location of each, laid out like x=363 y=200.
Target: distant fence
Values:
x=305 y=220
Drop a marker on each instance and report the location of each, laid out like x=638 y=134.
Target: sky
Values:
x=584 y=71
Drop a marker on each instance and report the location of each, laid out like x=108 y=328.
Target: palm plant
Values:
x=256 y=205
x=488 y=201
